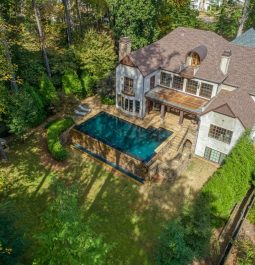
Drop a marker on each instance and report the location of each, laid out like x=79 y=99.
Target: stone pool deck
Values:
x=171 y=157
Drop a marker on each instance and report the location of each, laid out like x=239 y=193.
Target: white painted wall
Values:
x=222 y=121
x=134 y=73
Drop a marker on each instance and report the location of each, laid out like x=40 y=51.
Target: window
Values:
x=128 y=86
x=152 y=82
x=220 y=134
x=206 y=90
x=165 y=79
x=137 y=106
x=192 y=87
x=131 y=105
x=119 y=100
x=178 y=82
x=195 y=59
x=126 y=104
x=214 y=155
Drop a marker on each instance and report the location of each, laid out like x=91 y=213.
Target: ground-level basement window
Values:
x=214 y=155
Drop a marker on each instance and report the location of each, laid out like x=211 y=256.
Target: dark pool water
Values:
x=125 y=136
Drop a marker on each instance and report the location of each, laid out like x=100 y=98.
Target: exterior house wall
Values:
x=134 y=73
x=226 y=122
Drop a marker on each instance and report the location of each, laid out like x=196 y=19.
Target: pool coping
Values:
x=144 y=161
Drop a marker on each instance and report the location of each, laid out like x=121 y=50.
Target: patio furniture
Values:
x=80 y=113
x=84 y=108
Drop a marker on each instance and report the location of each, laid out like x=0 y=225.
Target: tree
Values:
x=64 y=238
x=173 y=249
x=7 y=68
x=173 y=14
x=41 y=37
x=228 y=20
x=12 y=243
x=71 y=83
x=136 y=19
x=22 y=112
x=96 y=55
x=244 y=17
x=69 y=22
x=250 y=21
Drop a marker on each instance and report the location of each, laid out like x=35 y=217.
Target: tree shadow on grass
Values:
x=126 y=214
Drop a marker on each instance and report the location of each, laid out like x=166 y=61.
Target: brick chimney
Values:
x=225 y=60
x=124 y=47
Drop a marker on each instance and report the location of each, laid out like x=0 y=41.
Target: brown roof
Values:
x=177 y=99
x=170 y=53
x=239 y=103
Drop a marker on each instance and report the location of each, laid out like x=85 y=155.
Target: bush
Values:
x=251 y=216
x=22 y=112
x=246 y=252
x=88 y=83
x=107 y=100
x=173 y=249
x=55 y=129
x=71 y=83
x=230 y=183
x=48 y=91
x=192 y=232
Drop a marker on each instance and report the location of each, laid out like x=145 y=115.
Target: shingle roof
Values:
x=170 y=53
x=239 y=102
x=246 y=39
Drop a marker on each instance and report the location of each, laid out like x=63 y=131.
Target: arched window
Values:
x=195 y=59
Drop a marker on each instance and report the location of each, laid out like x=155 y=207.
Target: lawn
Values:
x=129 y=216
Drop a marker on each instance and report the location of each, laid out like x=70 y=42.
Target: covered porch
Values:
x=169 y=100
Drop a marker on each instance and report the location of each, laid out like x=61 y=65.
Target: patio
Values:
x=171 y=156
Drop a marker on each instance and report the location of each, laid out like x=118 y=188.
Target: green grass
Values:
x=128 y=218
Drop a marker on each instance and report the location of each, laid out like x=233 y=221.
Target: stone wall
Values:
x=111 y=154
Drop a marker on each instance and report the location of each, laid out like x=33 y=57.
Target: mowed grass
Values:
x=127 y=215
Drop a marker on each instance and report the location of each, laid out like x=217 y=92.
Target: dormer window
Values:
x=195 y=60
x=196 y=56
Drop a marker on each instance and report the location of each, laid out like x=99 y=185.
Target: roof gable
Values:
x=127 y=61
x=225 y=110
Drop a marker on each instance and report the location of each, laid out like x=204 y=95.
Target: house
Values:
x=246 y=39
x=204 y=5
x=195 y=74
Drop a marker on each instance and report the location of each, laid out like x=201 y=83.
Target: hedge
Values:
x=231 y=182
x=54 y=131
x=192 y=231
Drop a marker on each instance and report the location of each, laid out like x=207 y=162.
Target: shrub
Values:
x=107 y=100
x=251 y=215
x=230 y=183
x=192 y=232
x=55 y=129
x=48 y=91
x=246 y=252
x=173 y=249
x=71 y=83
x=22 y=112
x=88 y=83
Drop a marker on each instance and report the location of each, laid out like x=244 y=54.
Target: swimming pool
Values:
x=125 y=136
